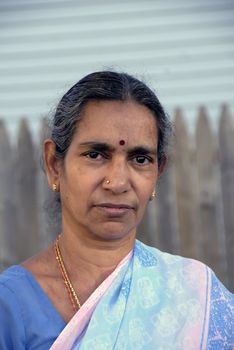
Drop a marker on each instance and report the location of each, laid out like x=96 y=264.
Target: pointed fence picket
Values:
x=192 y=214
x=185 y=184
x=211 y=244
x=226 y=145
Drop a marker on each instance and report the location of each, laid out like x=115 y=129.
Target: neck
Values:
x=88 y=256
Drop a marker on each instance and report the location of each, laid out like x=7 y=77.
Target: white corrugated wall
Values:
x=183 y=48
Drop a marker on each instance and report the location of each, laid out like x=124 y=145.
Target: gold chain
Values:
x=71 y=291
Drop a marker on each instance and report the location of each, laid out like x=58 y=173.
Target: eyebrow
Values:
x=142 y=150
x=105 y=147
x=98 y=146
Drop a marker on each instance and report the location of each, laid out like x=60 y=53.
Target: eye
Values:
x=142 y=160
x=93 y=155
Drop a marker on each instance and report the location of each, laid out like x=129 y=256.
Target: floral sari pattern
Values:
x=155 y=300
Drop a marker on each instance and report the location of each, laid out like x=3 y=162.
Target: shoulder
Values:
x=180 y=280
x=168 y=263
x=11 y=274
x=13 y=283
x=28 y=319
x=193 y=271
x=14 y=280
x=192 y=280
x=11 y=313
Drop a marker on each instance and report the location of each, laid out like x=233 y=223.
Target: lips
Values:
x=113 y=209
x=112 y=205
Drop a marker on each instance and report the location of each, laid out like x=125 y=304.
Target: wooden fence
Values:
x=193 y=214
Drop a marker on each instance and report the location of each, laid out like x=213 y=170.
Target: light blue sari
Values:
x=157 y=301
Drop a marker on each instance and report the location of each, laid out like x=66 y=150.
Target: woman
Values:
x=96 y=287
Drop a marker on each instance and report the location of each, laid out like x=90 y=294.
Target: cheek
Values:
x=145 y=192
x=79 y=188
x=73 y=199
x=146 y=181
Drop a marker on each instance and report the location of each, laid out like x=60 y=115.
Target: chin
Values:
x=114 y=231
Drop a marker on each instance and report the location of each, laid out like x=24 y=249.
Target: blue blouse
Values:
x=28 y=319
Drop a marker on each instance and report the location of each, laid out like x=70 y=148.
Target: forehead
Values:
x=112 y=121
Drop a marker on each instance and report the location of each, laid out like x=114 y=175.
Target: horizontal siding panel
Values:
x=85 y=7
x=99 y=16
x=51 y=48
x=186 y=61
x=199 y=93
x=109 y=23
x=183 y=48
x=147 y=33
x=164 y=43
x=187 y=71
x=190 y=108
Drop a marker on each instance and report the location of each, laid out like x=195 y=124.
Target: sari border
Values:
x=207 y=310
x=79 y=321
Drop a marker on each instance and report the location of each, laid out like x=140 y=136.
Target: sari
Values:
x=154 y=300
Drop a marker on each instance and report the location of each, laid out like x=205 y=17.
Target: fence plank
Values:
x=147 y=231
x=159 y=226
x=8 y=249
x=211 y=232
x=48 y=228
x=168 y=236
x=28 y=239
x=185 y=188
x=226 y=144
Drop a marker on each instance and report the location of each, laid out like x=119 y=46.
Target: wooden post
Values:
x=8 y=231
x=147 y=231
x=168 y=235
x=185 y=188
x=159 y=227
x=48 y=227
x=211 y=233
x=27 y=236
x=226 y=144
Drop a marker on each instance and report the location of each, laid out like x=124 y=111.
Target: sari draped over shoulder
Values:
x=154 y=300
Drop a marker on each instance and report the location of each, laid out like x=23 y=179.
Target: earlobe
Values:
x=51 y=163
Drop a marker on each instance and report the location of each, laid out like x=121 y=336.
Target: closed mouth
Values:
x=112 y=205
x=113 y=210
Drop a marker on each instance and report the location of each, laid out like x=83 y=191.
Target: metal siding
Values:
x=184 y=49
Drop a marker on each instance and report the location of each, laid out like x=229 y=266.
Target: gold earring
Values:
x=153 y=195
x=54 y=188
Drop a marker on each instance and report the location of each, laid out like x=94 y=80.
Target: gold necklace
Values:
x=70 y=289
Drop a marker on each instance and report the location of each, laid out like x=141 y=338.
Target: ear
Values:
x=162 y=166
x=51 y=163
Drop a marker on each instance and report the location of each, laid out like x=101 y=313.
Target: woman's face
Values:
x=110 y=170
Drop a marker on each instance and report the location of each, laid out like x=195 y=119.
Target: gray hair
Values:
x=106 y=85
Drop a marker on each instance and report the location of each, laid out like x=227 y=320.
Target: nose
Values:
x=117 y=177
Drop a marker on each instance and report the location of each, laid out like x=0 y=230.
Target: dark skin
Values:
x=99 y=217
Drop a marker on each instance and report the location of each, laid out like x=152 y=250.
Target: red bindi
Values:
x=122 y=142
